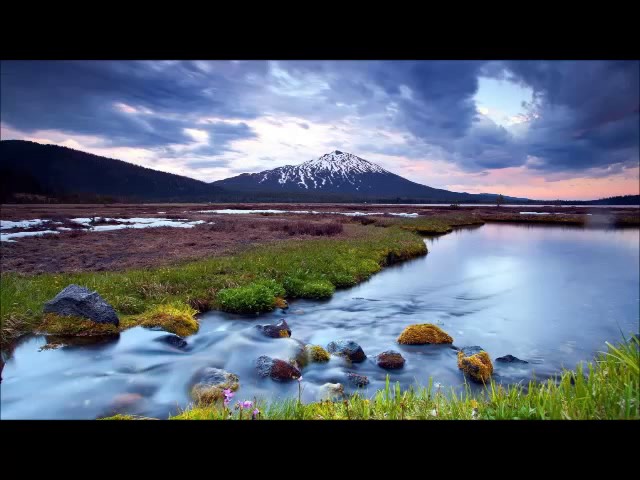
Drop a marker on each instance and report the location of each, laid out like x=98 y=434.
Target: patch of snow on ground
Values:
x=6 y=237
x=7 y=224
x=313 y=212
x=142 y=222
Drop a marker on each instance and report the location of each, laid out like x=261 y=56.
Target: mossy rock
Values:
x=422 y=334
x=176 y=318
x=475 y=363
x=281 y=303
x=62 y=325
x=279 y=330
x=213 y=381
x=277 y=369
x=390 y=360
x=317 y=354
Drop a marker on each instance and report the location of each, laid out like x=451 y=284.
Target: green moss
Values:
x=303 y=288
x=478 y=367
x=210 y=394
x=252 y=298
x=315 y=353
x=176 y=318
x=421 y=334
x=54 y=324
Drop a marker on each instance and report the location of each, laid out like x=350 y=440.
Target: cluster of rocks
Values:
x=475 y=363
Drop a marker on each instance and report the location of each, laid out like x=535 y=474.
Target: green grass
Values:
x=437 y=225
x=606 y=388
x=307 y=269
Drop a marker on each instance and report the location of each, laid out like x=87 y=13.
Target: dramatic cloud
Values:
x=450 y=124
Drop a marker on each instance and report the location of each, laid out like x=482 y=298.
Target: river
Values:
x=550 y=295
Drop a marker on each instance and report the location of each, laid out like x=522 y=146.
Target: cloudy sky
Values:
x=539 y=129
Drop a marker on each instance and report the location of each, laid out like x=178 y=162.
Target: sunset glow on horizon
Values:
x=537 y=129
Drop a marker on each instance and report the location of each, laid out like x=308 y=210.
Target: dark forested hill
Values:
x=50 y=170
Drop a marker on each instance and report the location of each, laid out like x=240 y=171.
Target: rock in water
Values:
x=173 y=340
x=330 y=391
x=317 y=354
x=422 y=334
x=475 y=363
x=212 y=383
x=510 y=359
x=276 y=369
x=279 y=330
x=77 y=301
x=347 y=349
x=357 y=380
x=390 y=360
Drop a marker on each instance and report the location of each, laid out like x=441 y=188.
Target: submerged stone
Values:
x=510 y=359
x=348 y=349
x=125 y=400
x=212 y=383
x=390 y=360
x=279 y=330
x=173 y=340
x=422 y=334
x=77 y=301
x=276 y=369
x=475 y=363
x=357 y=380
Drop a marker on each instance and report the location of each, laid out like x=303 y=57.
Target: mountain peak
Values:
x=342 y=163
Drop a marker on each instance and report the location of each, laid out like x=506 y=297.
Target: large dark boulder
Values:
x=510 y=359
x=390 y=360
x=77 y=301
x=276 y=369
x=279 y=330
x=348 y=349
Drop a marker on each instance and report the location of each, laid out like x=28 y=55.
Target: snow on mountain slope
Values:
x=338 y=173
x=331 y=169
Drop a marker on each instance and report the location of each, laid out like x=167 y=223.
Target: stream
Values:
x=549 y=295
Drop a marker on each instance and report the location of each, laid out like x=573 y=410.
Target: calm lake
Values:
x=549 y=295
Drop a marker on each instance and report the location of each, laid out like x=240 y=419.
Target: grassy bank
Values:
x=438 y=225
x=248 y=282
x=606 y=388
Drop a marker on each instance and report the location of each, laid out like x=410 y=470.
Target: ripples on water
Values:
x=549 y=295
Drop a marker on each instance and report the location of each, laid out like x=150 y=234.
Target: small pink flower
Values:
x=247 y=404
x=256 y=412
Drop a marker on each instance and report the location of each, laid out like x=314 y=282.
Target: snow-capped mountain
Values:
x=339 y=173
x=335 y=170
